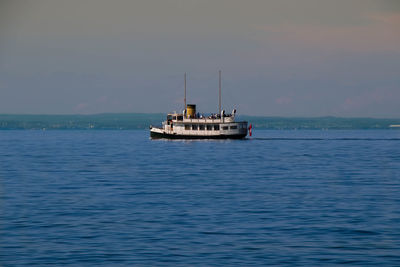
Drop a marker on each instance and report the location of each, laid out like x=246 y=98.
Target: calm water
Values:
x=289 y=198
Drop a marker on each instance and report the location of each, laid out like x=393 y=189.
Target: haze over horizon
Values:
x=288 y=58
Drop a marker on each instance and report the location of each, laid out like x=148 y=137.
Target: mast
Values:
x=219 y=107
x=185 y=92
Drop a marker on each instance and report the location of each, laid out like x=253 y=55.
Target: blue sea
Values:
x=117 y=198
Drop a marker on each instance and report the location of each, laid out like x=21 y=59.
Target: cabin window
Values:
x=180 y=118
x=201 y=127
x=187 y=127
x=174 y=118
x=224 y=127
x=209 y=127
x=233 y=127
x=169 y=117
x=216 y=127
x=194 y=126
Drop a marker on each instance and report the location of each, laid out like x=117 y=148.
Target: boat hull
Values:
x=157 y=135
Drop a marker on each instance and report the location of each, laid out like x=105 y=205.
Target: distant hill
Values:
x=143 y=120
x=320 y=123
x=97 y=121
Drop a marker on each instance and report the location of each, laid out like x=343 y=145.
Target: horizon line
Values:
x=159 y=113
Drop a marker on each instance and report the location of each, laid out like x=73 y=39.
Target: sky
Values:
x=292 y=58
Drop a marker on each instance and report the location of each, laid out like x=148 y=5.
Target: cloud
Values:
x=365 y=99
x=81 y=107
x=283 y=100
x=380 y=34
x=366 y=102
x=102 y=100
x=92 y=106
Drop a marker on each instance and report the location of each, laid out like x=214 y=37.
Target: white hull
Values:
x=201 y=128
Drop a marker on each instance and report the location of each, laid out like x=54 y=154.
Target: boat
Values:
x=191 y=125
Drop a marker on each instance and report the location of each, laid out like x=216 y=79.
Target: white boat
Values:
x=192 y=125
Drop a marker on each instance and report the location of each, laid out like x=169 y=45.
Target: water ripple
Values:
x=287 y=198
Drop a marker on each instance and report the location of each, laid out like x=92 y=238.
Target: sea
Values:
x=278 y=198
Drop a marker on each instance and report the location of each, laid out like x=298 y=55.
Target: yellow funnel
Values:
x=191 y=110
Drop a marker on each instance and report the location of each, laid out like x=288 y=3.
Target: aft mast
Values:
x=219 y=106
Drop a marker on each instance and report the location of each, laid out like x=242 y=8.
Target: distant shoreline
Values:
x=132 y=121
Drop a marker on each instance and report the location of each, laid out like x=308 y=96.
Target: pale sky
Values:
x=278 y=58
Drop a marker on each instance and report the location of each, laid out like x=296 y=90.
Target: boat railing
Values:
x=210 y=119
